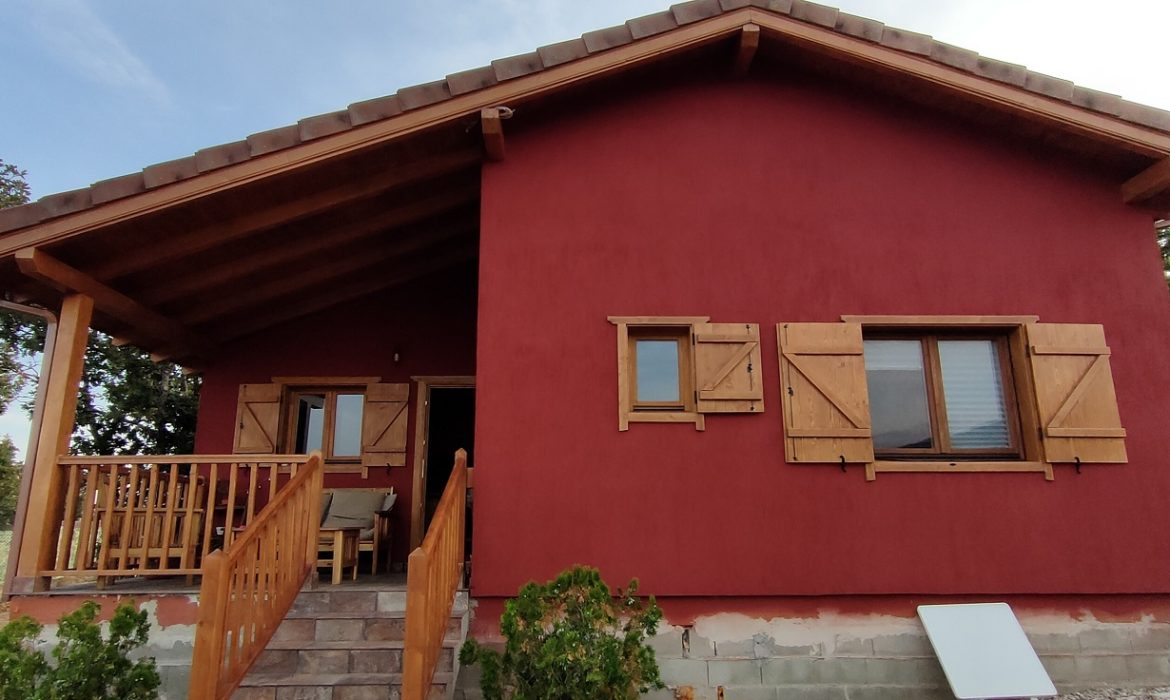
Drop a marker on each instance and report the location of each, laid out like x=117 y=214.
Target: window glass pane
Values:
x=310 y=422
x=897 y=394
x=657 y=369
x=973 y=389
x=347 y=426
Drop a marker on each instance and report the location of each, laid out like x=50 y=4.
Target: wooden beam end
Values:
x=491 y=119
x=749 y=43
x=1148 y=184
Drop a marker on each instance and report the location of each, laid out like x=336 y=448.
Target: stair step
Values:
x=310 y=680
x=293 y=644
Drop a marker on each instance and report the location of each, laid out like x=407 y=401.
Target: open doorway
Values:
x=445 y=423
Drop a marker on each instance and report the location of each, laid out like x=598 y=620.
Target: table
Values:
x=343 y=543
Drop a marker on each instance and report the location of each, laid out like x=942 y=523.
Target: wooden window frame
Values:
x=1030 y=456
x=292 y=393
x=941 y=448
x=629 y=330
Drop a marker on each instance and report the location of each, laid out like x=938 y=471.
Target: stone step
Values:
x=358 y=601
x=352 y=660
x=353 y=627
x=338 y=686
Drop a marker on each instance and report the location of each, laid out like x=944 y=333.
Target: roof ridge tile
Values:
x=649 y=25
x=695 y=10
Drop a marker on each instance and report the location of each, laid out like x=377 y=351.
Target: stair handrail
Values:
x=434 y=572
x=247 y=590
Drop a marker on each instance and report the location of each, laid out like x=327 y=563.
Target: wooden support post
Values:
x=749 y=42
x=493 y=132
x=53 y=433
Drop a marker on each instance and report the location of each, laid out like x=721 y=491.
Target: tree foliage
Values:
x=85 y=665
x=13 y=187
x=9 y=481
x=1164 y=246
x=126 y=403
x=570 y=639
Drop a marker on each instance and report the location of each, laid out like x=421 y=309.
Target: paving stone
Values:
x=254 y=694
x=315 y=661
x=375 y=661
x=364 y=692
x=276 y=661
x=385 y=629
x=877 y=692
x=304 y=693
x=683 y=671
x=734 y=672
x=294 y=630
x=340 y=630
x=392 y=601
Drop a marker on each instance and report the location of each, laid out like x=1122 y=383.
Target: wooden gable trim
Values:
x=1148 y=142
x=492 y=127
x=1016 y=100
x=43 y=267
x=941 y=321
x=749 y=43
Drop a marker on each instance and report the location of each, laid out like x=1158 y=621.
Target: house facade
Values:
x=801 y=320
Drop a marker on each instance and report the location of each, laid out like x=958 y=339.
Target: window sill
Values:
x=666 y=417
x=894 y=466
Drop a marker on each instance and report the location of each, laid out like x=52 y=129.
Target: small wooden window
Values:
x=326 y=419
x=938 y=395
x=675 y=369
x=660 y=369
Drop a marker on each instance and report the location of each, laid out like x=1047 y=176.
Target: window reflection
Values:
x=347 y=427
x=896 y=378
x=657 y=371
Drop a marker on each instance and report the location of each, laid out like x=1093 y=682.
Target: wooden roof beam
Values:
x=1149 y=183
x=491 y=120
x=275 y=315
x=43 y=267
x=267 y=217
x=287 y=254
x=749 y=43
x=303 y=278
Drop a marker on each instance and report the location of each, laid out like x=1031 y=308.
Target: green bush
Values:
x=85 y=666
x=570 y=639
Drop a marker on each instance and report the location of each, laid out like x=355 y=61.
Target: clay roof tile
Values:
x=517 y=66
x=608 y=38
x=374 y=110
x=649 y=25
x=222 y=155
x=695 y=10
x=471 y=80
x=171 y=171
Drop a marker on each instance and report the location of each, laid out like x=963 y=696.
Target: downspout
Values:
x=30 y=454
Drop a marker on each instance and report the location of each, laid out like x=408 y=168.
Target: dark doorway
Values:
x=450 y=426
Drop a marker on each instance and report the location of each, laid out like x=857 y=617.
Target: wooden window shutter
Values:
x=384 y=425
x=824 y=394
x=728 y=377
x=258 y=419
x=1075 y=398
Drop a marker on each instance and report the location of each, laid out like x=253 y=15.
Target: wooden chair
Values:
x=364 y=507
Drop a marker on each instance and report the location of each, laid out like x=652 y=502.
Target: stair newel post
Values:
x=209 y=638
x=415 y=686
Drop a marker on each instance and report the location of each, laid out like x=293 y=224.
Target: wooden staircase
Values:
x=348 y=645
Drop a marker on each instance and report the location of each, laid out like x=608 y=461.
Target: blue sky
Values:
x=98 y=88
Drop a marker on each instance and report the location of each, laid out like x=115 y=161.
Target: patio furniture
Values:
x=341 y=552
x=368 y=510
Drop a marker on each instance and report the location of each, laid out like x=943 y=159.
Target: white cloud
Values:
x=79 y=39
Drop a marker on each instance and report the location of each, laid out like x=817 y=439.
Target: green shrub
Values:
x=85 y=666
x=570 y=639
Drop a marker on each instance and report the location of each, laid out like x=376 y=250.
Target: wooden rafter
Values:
x=309 y=276
x=346 y=292
x=41 y=266
x=493 y=133
x=313 y=247
x=1122 y=134
x=265 y=218
x=1151 y=182
x=749 y=43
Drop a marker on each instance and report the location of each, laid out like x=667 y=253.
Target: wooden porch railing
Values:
x=157 y=515
x=433 y=574
x=248 y=589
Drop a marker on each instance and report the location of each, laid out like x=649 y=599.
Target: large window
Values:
x=935 y=395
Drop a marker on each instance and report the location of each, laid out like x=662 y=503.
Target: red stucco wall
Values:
x=769 y=202
x=431 y=322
